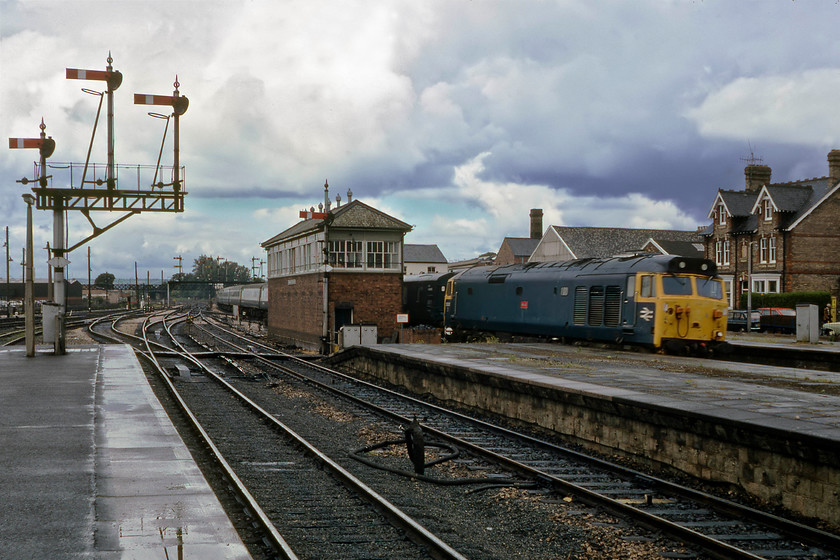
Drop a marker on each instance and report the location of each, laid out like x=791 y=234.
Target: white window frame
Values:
x=718 y=252
x=726 y=249
x=721 y=215
x=382 y=255
x=772 y=250
x=762 y=253
x=768 y=209
x=762 y=283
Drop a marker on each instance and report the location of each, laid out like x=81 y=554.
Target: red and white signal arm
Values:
x=24 y=143
x=402 y=318
x=46 y=145
x=313 y=215
x=177 y=102
x=113 y=77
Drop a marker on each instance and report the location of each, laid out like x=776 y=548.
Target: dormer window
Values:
x=721 y=215
x=768 y=210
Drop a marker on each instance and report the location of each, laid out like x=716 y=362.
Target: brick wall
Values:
x=505 y=255
x=813 y=250
x=376 y=298
x=295 y=309
x=296 y=304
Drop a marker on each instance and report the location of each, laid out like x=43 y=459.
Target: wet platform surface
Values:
x=798 y=401
x=92 y=467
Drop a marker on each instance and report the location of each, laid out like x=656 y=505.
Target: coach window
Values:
x=519 y=290
x=647 y=289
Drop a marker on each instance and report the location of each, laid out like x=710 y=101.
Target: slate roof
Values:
x=521 y=246
x=679 y=247
x=354 y=215
x=738 y=203
x=591 y=242
x=794 y=200
x=422 y=254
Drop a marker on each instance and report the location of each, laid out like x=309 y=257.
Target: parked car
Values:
x=737 y=320
x=778 y=319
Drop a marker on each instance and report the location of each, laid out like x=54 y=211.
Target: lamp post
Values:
x=29 y=301
x=749 y=284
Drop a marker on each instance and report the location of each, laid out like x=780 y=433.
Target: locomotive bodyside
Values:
x=423 y=296
x=653 y=300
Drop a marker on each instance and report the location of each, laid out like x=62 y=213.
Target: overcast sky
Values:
x=454 y=116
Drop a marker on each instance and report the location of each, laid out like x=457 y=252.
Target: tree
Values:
x=104 y=281
x=220 y=270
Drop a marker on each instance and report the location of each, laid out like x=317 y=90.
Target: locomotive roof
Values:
x=597 y=266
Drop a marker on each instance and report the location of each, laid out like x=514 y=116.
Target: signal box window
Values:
x=383 y=254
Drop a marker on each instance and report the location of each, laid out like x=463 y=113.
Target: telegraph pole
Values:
x=8 y=285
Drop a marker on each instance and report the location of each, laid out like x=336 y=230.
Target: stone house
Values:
x=778 y=237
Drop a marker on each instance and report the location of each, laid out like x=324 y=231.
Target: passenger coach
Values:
x=662 y=301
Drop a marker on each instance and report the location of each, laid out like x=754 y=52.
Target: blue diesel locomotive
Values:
x=665 y=302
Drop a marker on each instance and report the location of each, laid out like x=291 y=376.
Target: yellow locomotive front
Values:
x=691 y=311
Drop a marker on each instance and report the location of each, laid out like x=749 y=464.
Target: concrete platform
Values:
x=91 y=466
x=725 y=422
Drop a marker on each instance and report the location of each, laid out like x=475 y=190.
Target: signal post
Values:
x=89 y=195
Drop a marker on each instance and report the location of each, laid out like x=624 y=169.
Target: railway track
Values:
x=712 y=526
x=308 y=505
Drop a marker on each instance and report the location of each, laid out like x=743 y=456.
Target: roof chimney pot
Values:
x=834 y=166
x=756 y=177
x=536 y=223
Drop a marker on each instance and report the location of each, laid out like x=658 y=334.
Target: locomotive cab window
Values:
x=707 y=287
x=647 y=289
x=676 y=285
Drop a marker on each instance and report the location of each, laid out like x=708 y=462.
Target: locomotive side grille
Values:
x=596 y=305
x=612 y=308
x=581 y=293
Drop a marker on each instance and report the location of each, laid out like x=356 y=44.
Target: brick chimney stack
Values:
x=756 y=177
x=536 y=223
x=834 y=166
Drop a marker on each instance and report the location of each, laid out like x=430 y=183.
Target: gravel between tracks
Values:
x=497 y=523
x=490 y=524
